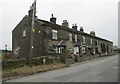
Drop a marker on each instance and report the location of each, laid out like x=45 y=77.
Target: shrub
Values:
x=50 y=58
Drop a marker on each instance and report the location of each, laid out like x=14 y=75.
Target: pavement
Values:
x=97 y=70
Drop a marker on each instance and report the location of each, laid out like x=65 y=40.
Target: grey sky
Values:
x=100 y=16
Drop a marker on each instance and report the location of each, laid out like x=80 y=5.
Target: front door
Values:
x=76 y=50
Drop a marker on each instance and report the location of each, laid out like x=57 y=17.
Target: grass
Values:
x=26 y=70
x=0 y=73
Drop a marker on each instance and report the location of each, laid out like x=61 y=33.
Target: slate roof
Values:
x=70 y=29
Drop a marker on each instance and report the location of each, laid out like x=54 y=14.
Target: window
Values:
x=91 y=41
x=70 y=36
x=60 y=50
x=24 y=33
x=75 y=38
x=54 y=34
x=83 y=39
x=96 y=42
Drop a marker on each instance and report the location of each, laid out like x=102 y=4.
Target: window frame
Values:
x=70 y=36
x=91 y=41
x=76 y=36
x=54 y=34
x=83 y=37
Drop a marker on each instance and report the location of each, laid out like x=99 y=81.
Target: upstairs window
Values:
x=70 y=36
x=54 y=34
x=24 y=33
x=75 y=38
x=83 y=39
x=91 y=41
x=96 y=42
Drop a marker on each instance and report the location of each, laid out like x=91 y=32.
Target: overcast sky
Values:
x=100 y=16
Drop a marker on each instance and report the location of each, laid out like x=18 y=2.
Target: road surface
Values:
x=102 y=70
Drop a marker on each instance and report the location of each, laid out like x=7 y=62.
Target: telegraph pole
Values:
x=32 y=32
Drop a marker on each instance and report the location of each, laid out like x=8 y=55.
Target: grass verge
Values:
x=26 y=70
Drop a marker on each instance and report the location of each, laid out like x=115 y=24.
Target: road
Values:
x=102 y=70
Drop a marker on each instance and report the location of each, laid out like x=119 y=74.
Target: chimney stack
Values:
x=74 y=27
x=92 y=33
x=32 y=9
x=65 y=23
x=53 y=19
x=6 y=47
x=81 y=29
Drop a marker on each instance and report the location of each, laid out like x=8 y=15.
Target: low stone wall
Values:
x=49 y=58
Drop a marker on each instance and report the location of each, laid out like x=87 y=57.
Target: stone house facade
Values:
x=49 y=37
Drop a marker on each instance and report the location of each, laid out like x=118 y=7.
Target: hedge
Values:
x=50 y=58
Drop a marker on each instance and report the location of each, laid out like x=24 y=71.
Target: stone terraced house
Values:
x=49 y=37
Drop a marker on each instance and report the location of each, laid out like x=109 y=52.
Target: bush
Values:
x=14 y=63
x=35 y=61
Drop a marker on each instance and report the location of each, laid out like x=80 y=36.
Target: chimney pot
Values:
x=81 y=29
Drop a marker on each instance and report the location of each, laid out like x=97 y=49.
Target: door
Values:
x=76 y=50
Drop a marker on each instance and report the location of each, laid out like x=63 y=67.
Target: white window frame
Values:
x=83 y=39
x=60 y=49
x=91 y=41
x=75 y=37
x=54 y=34
x=70 y=36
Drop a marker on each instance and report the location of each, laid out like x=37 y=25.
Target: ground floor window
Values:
x=59 y=50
